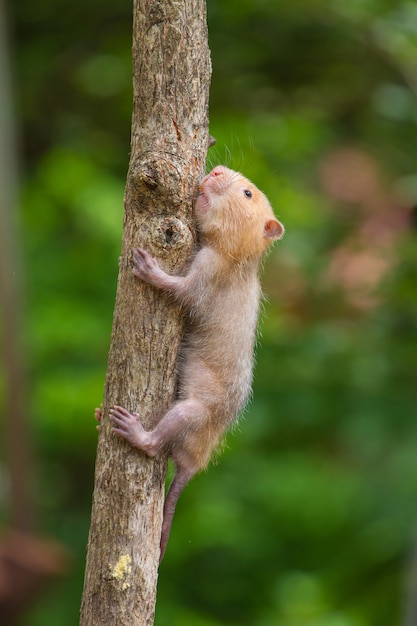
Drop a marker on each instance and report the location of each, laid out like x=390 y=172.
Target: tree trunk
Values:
x=171 y=72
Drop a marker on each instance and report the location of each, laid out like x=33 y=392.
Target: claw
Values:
x=98 y=414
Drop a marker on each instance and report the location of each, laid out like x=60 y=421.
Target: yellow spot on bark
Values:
x=122 y=570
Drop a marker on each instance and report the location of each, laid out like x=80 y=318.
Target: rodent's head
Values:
x=234 y=216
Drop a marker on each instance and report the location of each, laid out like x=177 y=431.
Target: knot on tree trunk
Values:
x=163 y=178
x=165 y=237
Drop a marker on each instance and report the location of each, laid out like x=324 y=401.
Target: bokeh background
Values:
x=309 y=517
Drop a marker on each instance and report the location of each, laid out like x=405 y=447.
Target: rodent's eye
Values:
x=247 y=193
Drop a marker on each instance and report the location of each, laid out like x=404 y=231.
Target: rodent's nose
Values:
x=217 y=171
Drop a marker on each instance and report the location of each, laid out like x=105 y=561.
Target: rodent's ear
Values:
x=273 y=229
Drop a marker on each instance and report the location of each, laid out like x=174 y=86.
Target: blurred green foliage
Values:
x=309 y=516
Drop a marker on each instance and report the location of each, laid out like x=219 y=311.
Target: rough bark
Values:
x=171 y=76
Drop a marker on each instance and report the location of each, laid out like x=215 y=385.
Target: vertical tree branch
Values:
x=171 y=76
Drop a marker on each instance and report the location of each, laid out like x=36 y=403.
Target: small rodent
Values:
x=220 y=295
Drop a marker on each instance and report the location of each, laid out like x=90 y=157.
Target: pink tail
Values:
x=177 y=486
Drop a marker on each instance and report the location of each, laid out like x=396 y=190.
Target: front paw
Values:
x=145 y=266
x=98 y=414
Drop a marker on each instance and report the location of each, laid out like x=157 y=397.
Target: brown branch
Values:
x=171 y=74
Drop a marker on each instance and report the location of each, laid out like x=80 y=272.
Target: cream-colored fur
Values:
x=220 y=295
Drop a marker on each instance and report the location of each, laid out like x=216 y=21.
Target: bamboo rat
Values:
x=220 y=295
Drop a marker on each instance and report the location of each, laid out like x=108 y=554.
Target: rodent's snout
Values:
x=219 y=170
